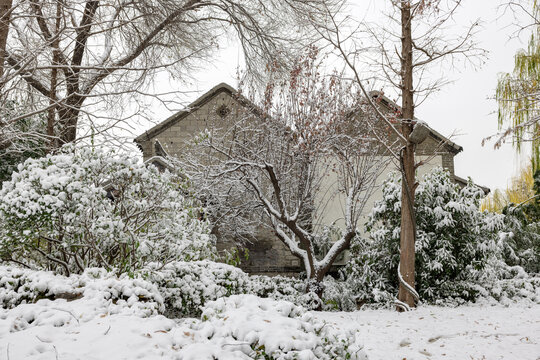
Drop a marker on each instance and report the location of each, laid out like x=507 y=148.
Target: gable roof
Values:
x=223 y=87
x=463 y=182
x=175 y=118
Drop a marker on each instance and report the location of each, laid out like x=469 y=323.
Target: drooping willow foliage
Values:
x=518 y=95
x=520 y=190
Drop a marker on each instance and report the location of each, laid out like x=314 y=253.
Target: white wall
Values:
x=330 y=203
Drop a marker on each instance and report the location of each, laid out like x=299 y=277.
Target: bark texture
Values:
x=5 y=15
x=407 y=159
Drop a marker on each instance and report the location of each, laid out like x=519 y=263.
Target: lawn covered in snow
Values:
x=230 y=328
x=432 y=332
x=94 y=329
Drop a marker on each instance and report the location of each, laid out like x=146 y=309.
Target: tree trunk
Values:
x=407 y=239
x=5 y=15
x=407 y=193
x=314 y=285
x=68 y=119
x=51 y=117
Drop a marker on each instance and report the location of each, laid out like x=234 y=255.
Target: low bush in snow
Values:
x=57 y=215
x=248 y=327
x=120 y=294
x=237 y=327
x=457 y=247
x=188 y=286
x=284 y=288
x=506 y=284
x=178 y=289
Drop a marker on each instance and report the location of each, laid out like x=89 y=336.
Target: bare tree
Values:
x=280 y=165
x=415 y=40
x=73 y=59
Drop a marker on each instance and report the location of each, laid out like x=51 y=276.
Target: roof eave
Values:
x=453 y=147
x=147 y=135
x=464 y=182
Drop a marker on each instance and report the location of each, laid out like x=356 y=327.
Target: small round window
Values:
x=223 y=111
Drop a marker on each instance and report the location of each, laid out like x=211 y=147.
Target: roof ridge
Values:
x=182 y=113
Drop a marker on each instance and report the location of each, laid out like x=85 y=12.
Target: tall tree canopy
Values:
x=71 y=59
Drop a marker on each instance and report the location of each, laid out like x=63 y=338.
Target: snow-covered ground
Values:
x=466 y=332
x=86 y=330
x=240 y=327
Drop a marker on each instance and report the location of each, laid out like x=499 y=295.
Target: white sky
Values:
x=464 y=107
x=467 y=107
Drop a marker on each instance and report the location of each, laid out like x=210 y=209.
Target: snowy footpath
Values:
x=462 y=333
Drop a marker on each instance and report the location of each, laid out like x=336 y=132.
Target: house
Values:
x=215 y=109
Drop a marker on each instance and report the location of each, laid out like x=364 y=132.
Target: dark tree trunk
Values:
x=407 y=194
x=68 y=112
x=5 y=15
x=51 y=116
x=68 y=119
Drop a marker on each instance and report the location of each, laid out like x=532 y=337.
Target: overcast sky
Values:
x=467 y=105
x=464 y=107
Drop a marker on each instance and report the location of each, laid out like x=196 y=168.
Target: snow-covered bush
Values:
x=506 y=291
x=454 y=242
x=338 y=295
x=119 y=294
x=284 y=288
x=87 y=207
x=238 y=327
x=188 y=286
x=248 y=327
x=522 y=239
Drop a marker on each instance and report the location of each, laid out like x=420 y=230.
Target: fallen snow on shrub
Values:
x=186 y=286
x=111 y=294
x=459 y=252
x=97 y=315
x=249 y=327
x=283 y=288
x=60 y=203
x=178 y=289
x=238 y=327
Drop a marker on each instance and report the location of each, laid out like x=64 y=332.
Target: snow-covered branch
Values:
x=287 y=169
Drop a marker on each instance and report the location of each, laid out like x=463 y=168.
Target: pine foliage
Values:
x=454 y=242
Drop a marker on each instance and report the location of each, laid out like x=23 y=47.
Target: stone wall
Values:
x=267 y=255
x=177 y=136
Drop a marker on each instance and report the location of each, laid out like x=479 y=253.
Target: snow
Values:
x=237 y=327
x=85 y=329
x=118 y=318
x=431 y=332
x=59 y=201
x=74 y=336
